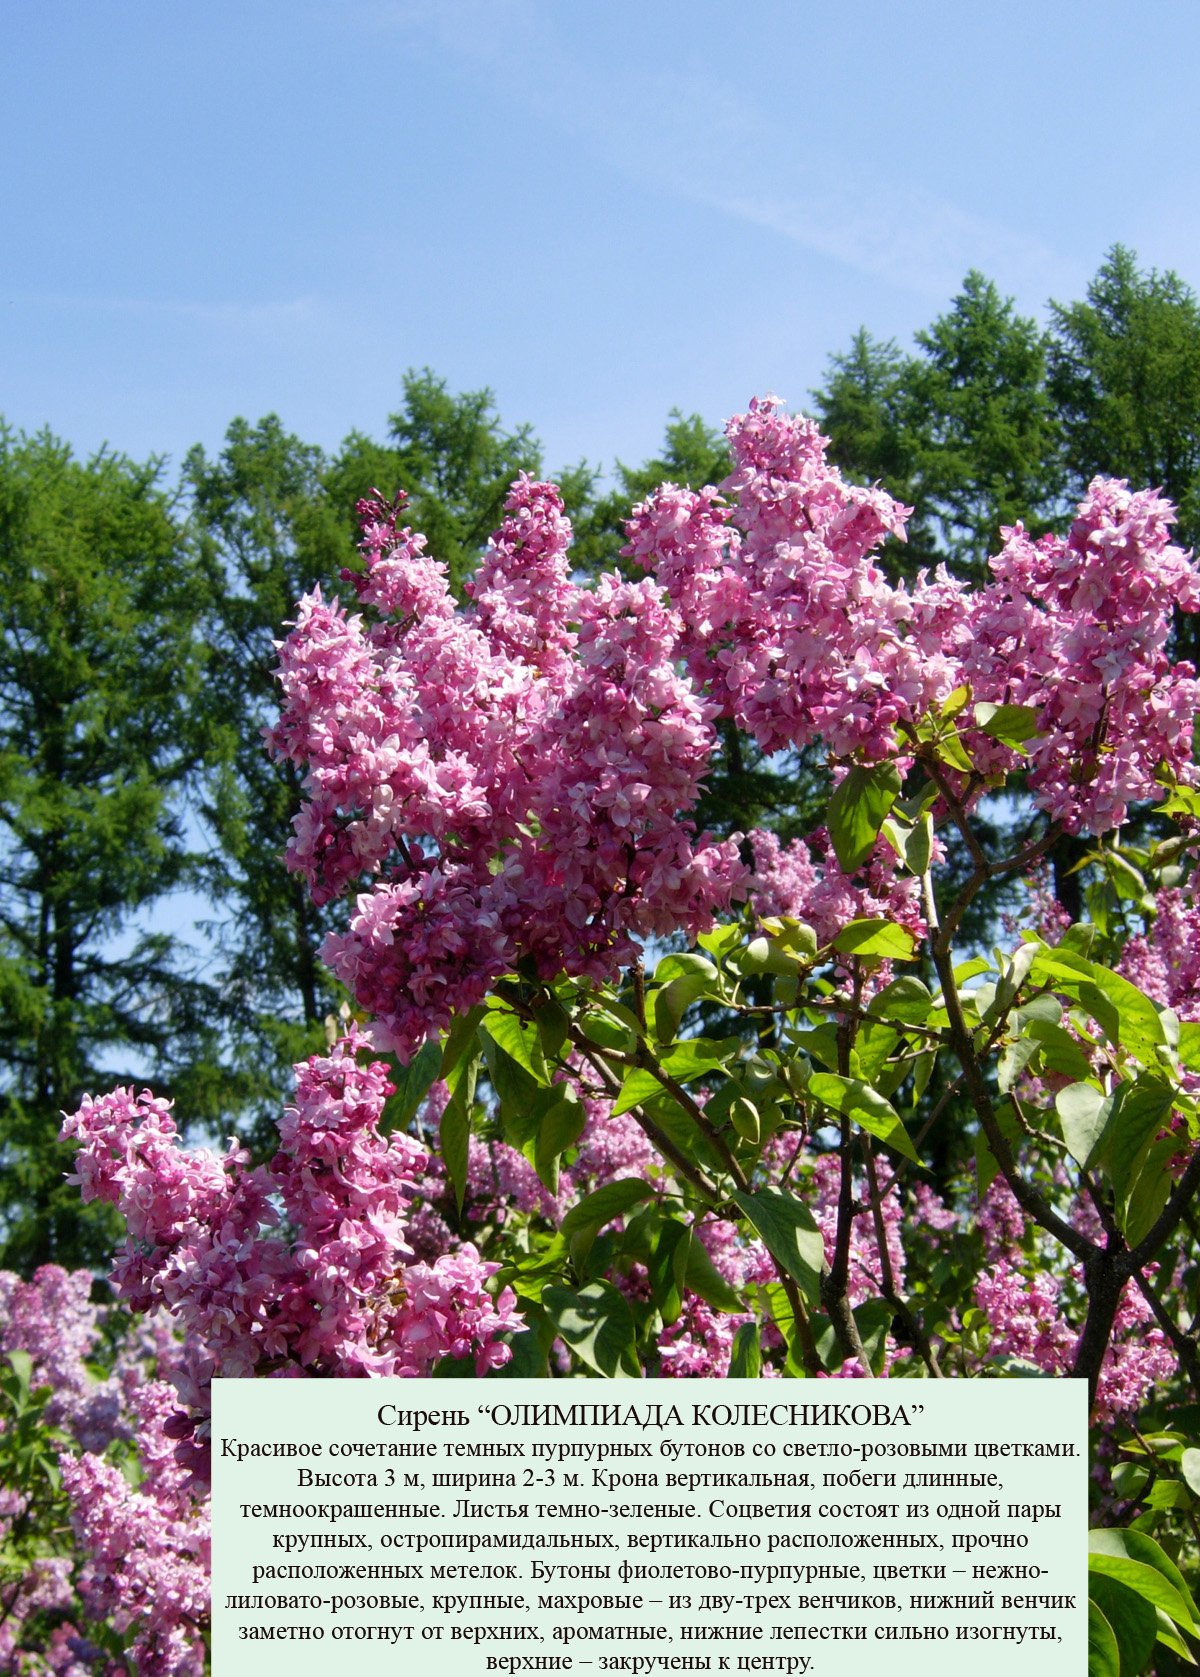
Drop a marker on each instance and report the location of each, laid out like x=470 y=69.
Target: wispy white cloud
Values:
x=270 y=315
x=691 y=135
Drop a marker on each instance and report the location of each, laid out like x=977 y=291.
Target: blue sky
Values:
x=600 y=208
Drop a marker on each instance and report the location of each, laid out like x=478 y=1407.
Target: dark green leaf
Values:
x=1112 y=1553
x=790 y=1234
x=413 y=1083
x=1132 y=1623
x=1083 y=1111
x=597 y=1323
x=552 y=1022
x=857 y=810
x=881 y=938
x=1010 y=724
x=454 y=1133
x=461 y=1040
x=986 y=1166
x=705 y=1279
x=1140 y=1111
x=558 y=1129
x=1150 y=1191
x=600 y=1207
x=745 y=1361
x=518 y=1039
x=851 y=1098
x=666 y=1266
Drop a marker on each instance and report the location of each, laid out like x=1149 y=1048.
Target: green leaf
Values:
x=1189 y=1466
x=454 y=1133
x=745 y=1362
x=851 y=1098
x=1172 y=1638
x=412 y=1085
x=1140 y=1110
x=882 y=938
x=705 y=1280
x=905 y=999
x=687 y=965
x=673 y=1000
x=559 y=1129
x=666 y=1266
x=553 y=1022
x=1010 y=724
x=1083 y=1111
x=1104 y=1658
x=1014 y=1057
x=597 y=1209
x=21 y=1363
x=789 y=1233
x=609 y=1028
x=720 y=940
x=951 y=750
x=1137 y=1216
x=1060 y=1051
x=1169 y=1493
x=1189 y=1043
x=637 y=1087
x=857 y=809
x=796 y=936
x=460 y=1039
x=518 y=1039
x=763 y=954
x=986 y=1166
x=1136 y=1023
x=1132 y=1623
x=597 y=1323
x=696 y=1056
x=912 y=844
x=455 y=1127
x=1134 y=1559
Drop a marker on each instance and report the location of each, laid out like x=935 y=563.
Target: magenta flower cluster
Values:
x=513 y=780
x=143 y=1557
x=515 y=777
x=300 y=1266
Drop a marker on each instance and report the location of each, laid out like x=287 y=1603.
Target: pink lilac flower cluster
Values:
x=1165 y=960
x=793 y=631
x=44 y=1595
x=143 y=1556
x=1077 y=627
x=52 y=1318
x=147 y=1548
x=515 y=776
x=513 y=779
x=300 y=1266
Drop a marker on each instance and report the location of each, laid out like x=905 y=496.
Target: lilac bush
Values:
x=608 y=1070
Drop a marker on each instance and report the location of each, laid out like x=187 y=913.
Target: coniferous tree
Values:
x=99 y=666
